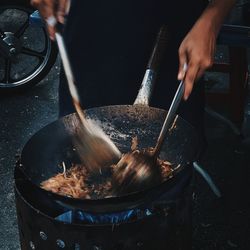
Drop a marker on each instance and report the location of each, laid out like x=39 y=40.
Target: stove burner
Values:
x=45 y=224
x=79 y=216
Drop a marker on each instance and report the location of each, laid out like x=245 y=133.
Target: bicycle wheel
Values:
x=31 y=52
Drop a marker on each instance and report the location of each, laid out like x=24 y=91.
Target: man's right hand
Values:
x=52 y=11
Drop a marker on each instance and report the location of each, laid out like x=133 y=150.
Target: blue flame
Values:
x=108 y=218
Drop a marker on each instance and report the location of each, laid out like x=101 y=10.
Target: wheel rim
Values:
x=27 y=62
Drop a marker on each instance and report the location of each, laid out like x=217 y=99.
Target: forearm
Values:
x=216 y=12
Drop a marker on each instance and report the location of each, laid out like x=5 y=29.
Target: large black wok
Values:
x=48 y=148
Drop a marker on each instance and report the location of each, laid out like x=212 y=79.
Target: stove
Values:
x=48 y=224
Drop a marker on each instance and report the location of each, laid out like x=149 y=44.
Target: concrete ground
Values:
x=224 y=223
x=21 y=116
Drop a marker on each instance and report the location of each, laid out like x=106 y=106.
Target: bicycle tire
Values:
x=33 y=79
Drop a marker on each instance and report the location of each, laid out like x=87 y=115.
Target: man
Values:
x=109 y=43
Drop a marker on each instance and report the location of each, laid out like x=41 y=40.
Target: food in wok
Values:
x=78 y=182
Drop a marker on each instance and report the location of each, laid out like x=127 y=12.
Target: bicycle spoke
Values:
x=31 y=52
x=22 y=29
x=7 y=71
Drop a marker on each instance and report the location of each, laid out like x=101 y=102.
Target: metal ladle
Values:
x=139 y=169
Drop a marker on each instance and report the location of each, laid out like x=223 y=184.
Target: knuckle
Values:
x=197 y=59
x=208 y=63
x=189 y=79
x=181 y=50
x=192 y=65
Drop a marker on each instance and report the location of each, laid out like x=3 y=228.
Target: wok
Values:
x=49 y=147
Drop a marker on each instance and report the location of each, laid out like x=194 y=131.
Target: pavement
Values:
x=21 y=115
x=224 y=223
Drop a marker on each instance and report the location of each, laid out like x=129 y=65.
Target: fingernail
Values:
x=179 y=76
x=186 y=97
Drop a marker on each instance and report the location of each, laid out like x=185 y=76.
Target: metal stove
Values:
x=46 y=224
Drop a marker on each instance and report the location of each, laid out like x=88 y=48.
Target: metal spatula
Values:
x=139 y=170
x=95 y=148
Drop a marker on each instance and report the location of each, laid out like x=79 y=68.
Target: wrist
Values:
x=215 y=13
x=211 y=20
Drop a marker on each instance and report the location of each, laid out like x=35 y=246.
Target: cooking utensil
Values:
x=139 y=169
x=91 y=142
x=42 y=157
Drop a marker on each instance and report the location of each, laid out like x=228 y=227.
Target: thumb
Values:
x=182 y=65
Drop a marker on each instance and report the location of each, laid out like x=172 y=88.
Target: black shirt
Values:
x=110 y=42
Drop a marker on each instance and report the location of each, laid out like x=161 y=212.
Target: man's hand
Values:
x=197 y=48
x=52 y=11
